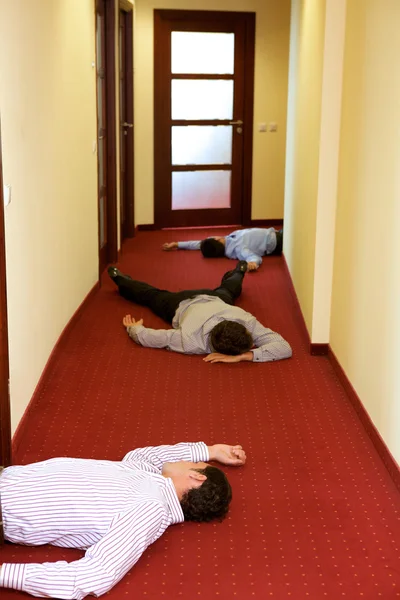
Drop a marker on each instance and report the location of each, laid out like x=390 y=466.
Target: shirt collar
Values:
x=173 y=501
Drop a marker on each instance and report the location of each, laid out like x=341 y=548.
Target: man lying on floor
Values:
x=245 y=244
x=204 y=321
x=113 y=510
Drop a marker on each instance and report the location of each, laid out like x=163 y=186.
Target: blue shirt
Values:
x=243 y=244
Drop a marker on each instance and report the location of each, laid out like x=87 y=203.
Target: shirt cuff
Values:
x=199 y=452
x=133 y=331
x=12 y=575
x=254 y=259
x=257 y=355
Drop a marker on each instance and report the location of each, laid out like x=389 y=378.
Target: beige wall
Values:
x=365 y=327
x=47 y=104
x=307 y=40
x=271 y=64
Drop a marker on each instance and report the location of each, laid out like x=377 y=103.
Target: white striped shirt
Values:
x=113 y=510
x=193 y=322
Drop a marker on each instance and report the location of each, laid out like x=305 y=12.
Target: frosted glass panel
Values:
x=198 y=52
x=201 y=189
x=202 y=145
x=202 y=99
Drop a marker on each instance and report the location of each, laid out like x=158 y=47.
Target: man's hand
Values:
x=216 y=357
x=170 y=246
x=252 y=266
x=129 y=321
x=227 y=455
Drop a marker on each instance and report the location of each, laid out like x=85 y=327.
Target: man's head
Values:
x=204 y=491
x=213 y=247
x=229 y=337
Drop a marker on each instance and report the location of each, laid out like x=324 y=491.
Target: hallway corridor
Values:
x=315 y=514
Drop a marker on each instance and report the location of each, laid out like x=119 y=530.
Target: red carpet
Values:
x=315 y=514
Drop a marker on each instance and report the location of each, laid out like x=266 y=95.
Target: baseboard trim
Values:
x=297 y=306
x=147 y=227
x=325 y=350
x=266 y=223
x=380 y=446
x=19 y=432
x=319 y=349
x=253 y=223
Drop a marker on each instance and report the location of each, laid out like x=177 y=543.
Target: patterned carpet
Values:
x=314 y=515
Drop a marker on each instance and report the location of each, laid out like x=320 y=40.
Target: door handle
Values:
x=239 y=122
x=127 y=124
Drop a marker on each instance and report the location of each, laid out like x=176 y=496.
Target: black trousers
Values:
x=279 y=242
x=164 y=303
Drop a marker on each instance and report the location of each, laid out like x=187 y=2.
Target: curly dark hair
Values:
x=211 y=248
x=229 y=337
x=209 y=501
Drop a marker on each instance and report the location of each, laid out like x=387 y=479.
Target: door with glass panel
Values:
x=127 y=225
x=101 y=129
x=106 y=131
x=203 y=113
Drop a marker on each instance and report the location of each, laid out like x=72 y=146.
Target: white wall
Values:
x=314 y=111
x=342 y=204
x=365 y=325
x=48 y=113
x=271 y=68
x=306 y=72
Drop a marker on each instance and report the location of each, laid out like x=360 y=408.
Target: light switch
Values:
x=273 y=127
x=7 y=194
x=262 y=127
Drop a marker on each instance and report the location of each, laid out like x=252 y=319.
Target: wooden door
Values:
x=203 y=117
x=106 y=131
x=126 y=124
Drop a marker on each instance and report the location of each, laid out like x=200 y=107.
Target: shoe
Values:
x=241 y=267
x=114 y=272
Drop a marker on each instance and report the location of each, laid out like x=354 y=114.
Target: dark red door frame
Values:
x=5 y=419
x=128 y=223
x=111 y=150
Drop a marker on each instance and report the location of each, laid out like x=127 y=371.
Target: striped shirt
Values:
x=112 y=510
x=243 y=244
x=193 y=322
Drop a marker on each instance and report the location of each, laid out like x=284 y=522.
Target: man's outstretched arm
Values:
x=270 y=345
x=253 y=260
x=153 y=338
x=192 y=245
x=156 y=456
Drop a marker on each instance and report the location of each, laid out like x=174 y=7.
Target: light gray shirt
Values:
x=193 y=322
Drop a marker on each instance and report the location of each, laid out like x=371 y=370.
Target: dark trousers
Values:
x=279 y=242
x=164 y=303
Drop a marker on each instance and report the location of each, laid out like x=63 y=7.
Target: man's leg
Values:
x=231 y=284
x=161 y=302
x=229 y=289
x=164 y=303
